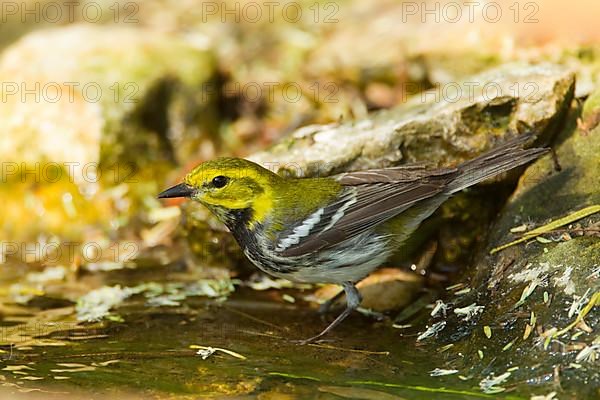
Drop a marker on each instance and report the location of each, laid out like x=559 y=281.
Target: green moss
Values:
x=540 y=281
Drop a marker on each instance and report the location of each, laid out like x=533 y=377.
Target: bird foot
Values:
x=312 y=340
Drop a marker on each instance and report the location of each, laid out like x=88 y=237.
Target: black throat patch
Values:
x=244 y=235
x=237 y=221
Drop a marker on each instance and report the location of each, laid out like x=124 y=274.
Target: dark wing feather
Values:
x=381 y=195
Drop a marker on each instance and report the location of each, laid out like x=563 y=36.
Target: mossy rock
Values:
x=437 y=127
x=539 y=295
x=110 y=108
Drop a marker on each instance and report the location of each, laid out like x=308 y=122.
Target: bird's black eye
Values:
x=220 y=181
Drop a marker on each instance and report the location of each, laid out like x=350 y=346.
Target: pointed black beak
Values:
x=181 y=190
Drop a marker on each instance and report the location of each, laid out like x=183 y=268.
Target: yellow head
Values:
x=227 y=184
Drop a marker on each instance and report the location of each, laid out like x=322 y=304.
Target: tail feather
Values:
x=498 y=160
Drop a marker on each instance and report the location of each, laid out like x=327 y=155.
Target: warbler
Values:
x=333 y=229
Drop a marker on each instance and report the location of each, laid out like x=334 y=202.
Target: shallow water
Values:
x=149 y=355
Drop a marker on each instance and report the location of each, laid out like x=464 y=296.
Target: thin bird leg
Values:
x=326 y=306
x=353 y=299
